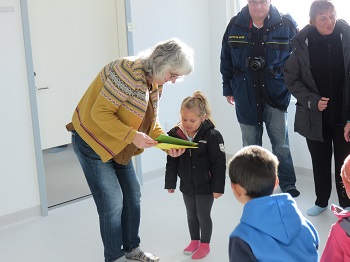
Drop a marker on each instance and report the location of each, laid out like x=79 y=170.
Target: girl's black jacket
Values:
x=201 y=170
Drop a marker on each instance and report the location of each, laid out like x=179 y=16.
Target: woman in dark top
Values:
x=316 y=75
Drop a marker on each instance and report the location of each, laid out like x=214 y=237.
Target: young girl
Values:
x=201 y=170
x=338 y=243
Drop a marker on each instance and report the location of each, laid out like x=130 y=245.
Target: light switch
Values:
x=131 y=27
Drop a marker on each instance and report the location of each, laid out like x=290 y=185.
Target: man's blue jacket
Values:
x=238 y=45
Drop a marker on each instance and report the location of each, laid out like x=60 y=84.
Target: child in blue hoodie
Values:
x=272 y=228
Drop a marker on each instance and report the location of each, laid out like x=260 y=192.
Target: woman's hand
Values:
x=176 y=152
x=230 y=100
x=171 y=191
x=217 y=195
x=347 y=132
x=141 y=140
x=322 y=104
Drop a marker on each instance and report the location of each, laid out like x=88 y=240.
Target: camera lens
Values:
x=255 y=65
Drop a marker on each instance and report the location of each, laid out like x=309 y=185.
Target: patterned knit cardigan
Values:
x=112 y=109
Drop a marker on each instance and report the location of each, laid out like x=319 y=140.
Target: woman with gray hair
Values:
x=116 y=119
x=316 y=73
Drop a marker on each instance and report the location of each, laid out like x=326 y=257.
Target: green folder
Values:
x=168 y=142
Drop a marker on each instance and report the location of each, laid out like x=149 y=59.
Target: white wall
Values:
x=224 y=113
x=159 y=20
x=200 y=23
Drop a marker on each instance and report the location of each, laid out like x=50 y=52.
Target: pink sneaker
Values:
x=193 y=246
x=202 y=251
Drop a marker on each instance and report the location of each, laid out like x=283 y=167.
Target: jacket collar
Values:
x=179 y=131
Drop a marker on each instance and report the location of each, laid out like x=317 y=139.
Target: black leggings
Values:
x=198 y=209
x=321 y=155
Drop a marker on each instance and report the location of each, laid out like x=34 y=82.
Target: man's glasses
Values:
x=256 y=3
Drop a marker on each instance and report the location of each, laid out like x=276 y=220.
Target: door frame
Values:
x=34 y=108
x=125 y=19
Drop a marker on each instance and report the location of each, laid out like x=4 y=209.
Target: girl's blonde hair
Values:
x=198 y=102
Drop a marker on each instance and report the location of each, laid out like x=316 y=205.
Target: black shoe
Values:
x=293 y=192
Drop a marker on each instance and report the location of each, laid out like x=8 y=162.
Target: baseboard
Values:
x=305 y=173
x=34 y=212
x=153 y=175
x=20 y=216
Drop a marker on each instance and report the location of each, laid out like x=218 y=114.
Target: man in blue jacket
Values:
x=255 y=47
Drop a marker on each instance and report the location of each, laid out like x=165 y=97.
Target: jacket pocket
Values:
x=302 y=122
x=241 y=91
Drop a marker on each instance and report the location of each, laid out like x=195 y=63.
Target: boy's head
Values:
x=345 y=175
x=253 y=172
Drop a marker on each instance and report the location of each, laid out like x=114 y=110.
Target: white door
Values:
x=71 y=41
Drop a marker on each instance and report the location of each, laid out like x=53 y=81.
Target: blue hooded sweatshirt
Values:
x=272 y=229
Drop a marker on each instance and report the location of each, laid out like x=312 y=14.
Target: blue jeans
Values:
x=117 y=193
x=276 y=126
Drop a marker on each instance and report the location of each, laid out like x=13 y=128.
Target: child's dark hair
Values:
x=199 y=102
x=255 y=169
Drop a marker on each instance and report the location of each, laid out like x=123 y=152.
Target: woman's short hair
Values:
x=320 y=6
x=172 y=55
x=255 y=169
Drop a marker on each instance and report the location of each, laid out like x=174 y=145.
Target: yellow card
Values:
x=170 y=146
x=168 y=142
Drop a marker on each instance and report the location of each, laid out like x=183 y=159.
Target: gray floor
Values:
x=71 y=232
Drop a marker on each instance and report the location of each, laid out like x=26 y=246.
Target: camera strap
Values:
x=257 y=40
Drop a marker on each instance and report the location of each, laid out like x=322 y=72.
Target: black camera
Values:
x=255 y=63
